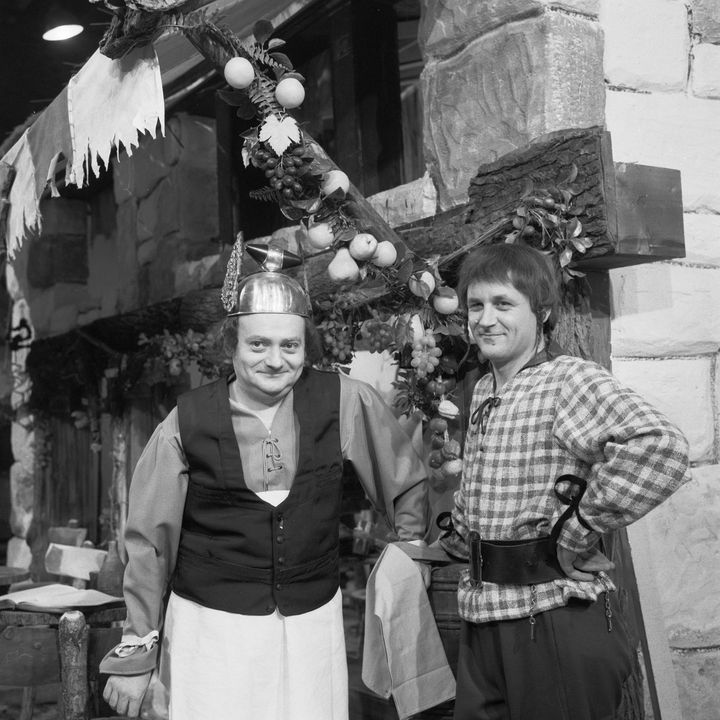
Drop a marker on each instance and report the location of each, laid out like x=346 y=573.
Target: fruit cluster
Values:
x=425 y=355
x=379 y=334
x=445 y=452
x=337 y=340
x=281 y=172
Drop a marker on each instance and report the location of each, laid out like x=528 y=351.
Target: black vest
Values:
x=238 y=553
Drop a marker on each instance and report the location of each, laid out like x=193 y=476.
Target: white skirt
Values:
x=225 y=666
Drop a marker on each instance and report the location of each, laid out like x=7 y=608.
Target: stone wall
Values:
x=499 y=74
x=150 y=237
x=662 y=66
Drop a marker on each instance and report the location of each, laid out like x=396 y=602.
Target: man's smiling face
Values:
x=270 y=355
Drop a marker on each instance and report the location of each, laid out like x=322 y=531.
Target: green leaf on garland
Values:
x=282 y=59
x=262 y=30
x=291 y=212
x=234 y=98
x=279 y=134
x=405 y=271
x=275 y=43
x=294 y=75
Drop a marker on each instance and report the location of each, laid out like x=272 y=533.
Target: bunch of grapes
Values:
x=337 y=339
x=281 y=172
x=425 y=355
x=379 y=335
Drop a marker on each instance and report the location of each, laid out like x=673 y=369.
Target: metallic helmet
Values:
x=271 y=292
x=267 y=291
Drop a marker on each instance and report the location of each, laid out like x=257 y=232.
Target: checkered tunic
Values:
x=557 y=416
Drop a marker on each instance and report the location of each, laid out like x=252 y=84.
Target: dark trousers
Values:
x=574 y=669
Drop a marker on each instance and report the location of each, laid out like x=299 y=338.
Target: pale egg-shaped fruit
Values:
x=422 y=283
x=239 y=73
x=448 y=409
x=446 y=303
x=334 y=180
x=417 y=328
x=342 y=267
x=290 y=93
x=363 y=246
x=452 y=468
x=385 y=254
x=320 y=236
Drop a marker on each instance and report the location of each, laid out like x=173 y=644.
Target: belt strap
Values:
x=526 y=562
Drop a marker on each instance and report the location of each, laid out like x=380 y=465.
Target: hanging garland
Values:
x=410 y=312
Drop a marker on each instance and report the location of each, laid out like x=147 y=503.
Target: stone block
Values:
x=646 y=55
x=18 y=553
x=670 y=130
x=57 y=258
x=193 y=275
x=22 y=442
x=665 y=310
x=698 y=683
x=682 y=533
x=406 y=203
x=158 y=281
x=147 y=217
x=126 y=267
x=448 y=25
x=89 y=316
x=147 y=252
x=682 y=389
x=702 y=238
x=52 y=309
x=22 y=488
x=167 y=203
x=195 y=181
x=173 y=138
x=706 y=19
x=62 y=216
x=104 y=278
x=503 y=90
x=705 y=76
x=136 y=176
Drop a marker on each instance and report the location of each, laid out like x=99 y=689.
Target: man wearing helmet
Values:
x=234 y=510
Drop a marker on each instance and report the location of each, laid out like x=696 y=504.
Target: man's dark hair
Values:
x=229 y=340
x=526 y=269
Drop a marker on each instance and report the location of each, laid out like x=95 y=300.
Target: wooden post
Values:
x=73 y=644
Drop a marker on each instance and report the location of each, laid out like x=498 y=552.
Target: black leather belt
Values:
x=524 y=562
x=513 y=562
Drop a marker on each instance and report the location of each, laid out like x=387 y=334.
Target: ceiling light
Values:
x=60 y=24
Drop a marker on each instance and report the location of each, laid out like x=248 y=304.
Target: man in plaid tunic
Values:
x=541 y=633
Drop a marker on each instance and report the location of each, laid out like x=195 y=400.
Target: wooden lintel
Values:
x=548 y=161
x=649 y=217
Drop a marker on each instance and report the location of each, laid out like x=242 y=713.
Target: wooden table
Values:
x=40 y=648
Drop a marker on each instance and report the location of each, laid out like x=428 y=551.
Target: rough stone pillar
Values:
x=23 y=439
x=498 y=74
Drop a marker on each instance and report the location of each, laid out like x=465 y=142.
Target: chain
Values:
x=608 y=609
x=533 y=604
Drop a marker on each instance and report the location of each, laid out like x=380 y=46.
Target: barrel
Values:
x=442 y=594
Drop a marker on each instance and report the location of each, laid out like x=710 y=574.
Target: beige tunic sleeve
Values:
x=156 y=502
x=390 y=471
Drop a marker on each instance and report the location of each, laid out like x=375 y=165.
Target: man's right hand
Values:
x=584 y=565
x=125 y=693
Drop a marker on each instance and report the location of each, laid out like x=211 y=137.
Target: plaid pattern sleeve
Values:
x=561 y=416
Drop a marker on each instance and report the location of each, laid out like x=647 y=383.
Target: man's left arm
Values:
x=389 y=469
x=637 y=458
